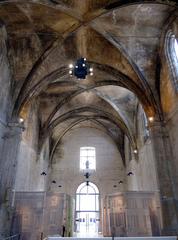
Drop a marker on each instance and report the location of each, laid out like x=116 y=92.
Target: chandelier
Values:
x=80 y=69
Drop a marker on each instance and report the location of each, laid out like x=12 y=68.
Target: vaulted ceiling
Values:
x=120 y=40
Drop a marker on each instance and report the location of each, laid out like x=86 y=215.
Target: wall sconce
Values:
x=135 y=151
x=151 y=119
x=21 y=120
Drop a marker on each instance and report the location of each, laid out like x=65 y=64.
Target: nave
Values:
x=88 y=118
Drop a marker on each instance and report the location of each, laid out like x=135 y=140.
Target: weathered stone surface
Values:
x=128 y=44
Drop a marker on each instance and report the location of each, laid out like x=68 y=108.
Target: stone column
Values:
x=8 y=163
x=165 y=176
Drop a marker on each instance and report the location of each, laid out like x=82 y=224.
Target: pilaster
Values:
x=8 y=162
x=165 y=176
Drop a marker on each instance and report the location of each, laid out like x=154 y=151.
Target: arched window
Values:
x=91 y=188
x=87 y=210
x=87 y=197
x=146 y=133
x=176 y=47
x=171 y=47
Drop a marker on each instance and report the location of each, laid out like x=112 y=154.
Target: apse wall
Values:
x=65 y=166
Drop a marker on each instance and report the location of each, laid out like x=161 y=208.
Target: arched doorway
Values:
x=87 y=211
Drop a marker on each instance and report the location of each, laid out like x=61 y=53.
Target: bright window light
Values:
x=87 y=197
x=87 y=158
x=176 y=47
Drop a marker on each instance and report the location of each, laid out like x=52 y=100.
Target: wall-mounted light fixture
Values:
x=135 y=151
x=130 y=173
x=151 y=119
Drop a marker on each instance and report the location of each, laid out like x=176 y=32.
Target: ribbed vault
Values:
x=44 y=36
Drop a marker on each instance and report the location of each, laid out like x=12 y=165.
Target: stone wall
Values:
x=65 y=166
x=10 y=132
x=31 y=162
x=169 y=100
x=142 y=165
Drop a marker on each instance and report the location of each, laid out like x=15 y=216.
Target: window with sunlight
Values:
x=146 y=133
x=87 y=210
x=87 y=197
x=176 y=47
x=171 y=48
x=87 y=158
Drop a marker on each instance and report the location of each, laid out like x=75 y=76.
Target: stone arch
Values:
x=98 y=114
x=77 y=122
x=122 y=80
